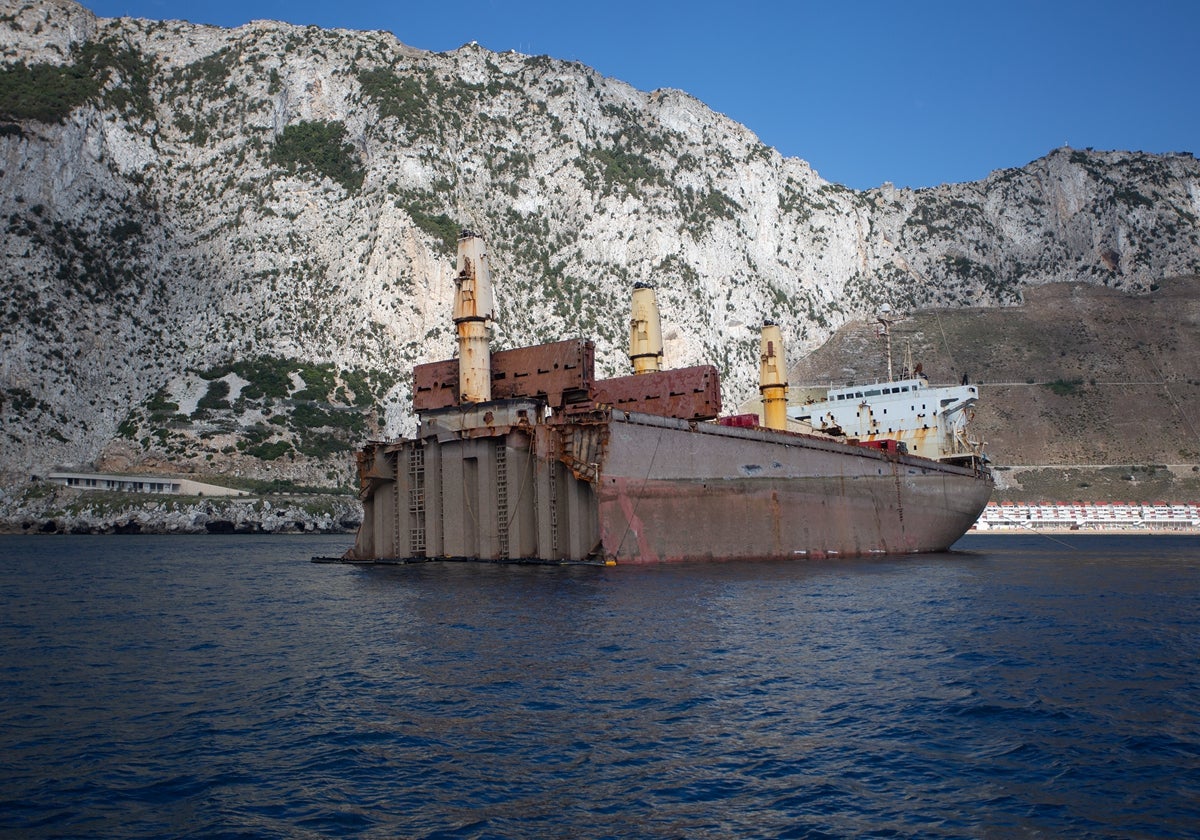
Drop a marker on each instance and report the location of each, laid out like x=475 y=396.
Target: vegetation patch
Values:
x=1065 y=387
x=319 y=147
x=394 y=95
x=159 y=404
x=268 y=376
x=287 y=410
x=319 y=382
x=99 y=262
x=207 y=76
x=441 y=227
x=45 y=92
x=701 y=209
x=272 y=451
x=49 y=93
x=21 y=401
x=216 y=397
x=621 y=170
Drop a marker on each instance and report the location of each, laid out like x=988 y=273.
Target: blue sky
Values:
x=916 y=93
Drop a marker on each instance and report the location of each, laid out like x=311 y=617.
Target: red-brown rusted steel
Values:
x=740 y=421
x=885 y=445
x=435 y=385
x=692 y=393
x=561 y=372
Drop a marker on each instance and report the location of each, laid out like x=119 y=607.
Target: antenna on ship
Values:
x=885 y=330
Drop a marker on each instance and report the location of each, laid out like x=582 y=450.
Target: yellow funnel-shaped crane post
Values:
x=645 y=331
x=772 y=377
x=473 y=309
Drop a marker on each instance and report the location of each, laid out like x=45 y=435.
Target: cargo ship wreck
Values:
x=524 y=455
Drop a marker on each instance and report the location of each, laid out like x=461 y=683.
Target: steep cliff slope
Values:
x=222 y=250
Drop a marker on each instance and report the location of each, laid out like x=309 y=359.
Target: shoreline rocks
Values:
x=65 y=511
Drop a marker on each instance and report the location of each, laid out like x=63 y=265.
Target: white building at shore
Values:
x=141 y=484
x=1083 y=516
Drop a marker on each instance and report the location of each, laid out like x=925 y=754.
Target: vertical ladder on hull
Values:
x=416 y=501
x=502 y=500
x=552 y=504
x=396 y=509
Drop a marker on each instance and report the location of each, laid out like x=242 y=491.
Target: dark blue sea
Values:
x=1020 y=686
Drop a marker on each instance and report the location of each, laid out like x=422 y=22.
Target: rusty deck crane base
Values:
x=562 y=375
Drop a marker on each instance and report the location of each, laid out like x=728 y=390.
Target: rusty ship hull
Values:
x=625 y=487
x=713 y=492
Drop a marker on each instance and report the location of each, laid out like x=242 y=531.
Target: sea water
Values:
x=1020 y=686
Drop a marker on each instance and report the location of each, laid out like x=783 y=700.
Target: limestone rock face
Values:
x=207 y=198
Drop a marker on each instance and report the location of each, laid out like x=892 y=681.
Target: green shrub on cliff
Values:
x=50 y=92
x=319 y=147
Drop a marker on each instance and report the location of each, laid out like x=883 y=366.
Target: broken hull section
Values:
x=500 y=482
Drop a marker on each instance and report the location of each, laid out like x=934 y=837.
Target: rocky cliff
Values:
x=223 y=249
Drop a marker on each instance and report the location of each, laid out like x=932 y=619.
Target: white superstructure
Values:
x=931 y=421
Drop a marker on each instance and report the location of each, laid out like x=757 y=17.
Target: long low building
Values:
x=141 y=484
x=1090 y=515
